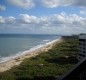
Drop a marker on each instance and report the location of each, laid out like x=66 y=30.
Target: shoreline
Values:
x=6 y=65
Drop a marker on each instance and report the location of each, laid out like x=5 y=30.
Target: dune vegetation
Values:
x=53 y=63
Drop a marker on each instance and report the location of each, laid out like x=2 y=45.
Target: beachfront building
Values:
x=82 y=46
x=79 y=71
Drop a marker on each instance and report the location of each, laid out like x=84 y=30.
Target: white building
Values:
x=82 y=46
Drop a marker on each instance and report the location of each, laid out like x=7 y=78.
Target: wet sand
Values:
x=4 y=66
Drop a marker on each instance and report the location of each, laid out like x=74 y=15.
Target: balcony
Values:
x=77 y=73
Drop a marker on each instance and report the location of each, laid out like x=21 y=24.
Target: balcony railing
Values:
x=77 y=73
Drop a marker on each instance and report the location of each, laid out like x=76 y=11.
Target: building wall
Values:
x=82 y=46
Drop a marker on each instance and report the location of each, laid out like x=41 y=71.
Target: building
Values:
x=79 y=71
x=82 y=46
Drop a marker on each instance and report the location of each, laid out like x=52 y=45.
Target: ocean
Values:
x=12 y=45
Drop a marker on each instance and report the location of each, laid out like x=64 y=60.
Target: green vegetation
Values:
x=55 y=62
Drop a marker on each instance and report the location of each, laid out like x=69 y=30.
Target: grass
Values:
x=55 y=62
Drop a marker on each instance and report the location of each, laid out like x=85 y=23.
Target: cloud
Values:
x=57 y=23
x=50 y=3
x=2 y=20
x=6 y=20
x=2 y=8
x=26 y=4
x=82 y=12
x=25 y=18
x=80 y=3
x=10 y=19
x=57 y=3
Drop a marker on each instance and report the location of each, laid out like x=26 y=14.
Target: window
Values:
x=82 y=55
x=82 y=40
x=83 y=51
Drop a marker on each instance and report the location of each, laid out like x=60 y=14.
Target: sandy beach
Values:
x=28 y=54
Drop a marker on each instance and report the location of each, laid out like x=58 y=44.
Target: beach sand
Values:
x=4 y=66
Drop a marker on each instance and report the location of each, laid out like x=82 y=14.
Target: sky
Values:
x=42 y=16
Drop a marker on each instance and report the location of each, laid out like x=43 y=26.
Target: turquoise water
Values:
x=12 y=44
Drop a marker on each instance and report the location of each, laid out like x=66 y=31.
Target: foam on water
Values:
x=4 y=59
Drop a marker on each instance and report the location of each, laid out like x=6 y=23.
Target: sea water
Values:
x=15 y=44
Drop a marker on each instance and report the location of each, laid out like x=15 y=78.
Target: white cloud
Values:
x=2 y=8
x=43 y=20
x=82 y=12
x=10 y=19
x=57 y=3
x=50 y=3
x=6 y=20
x=25 y=18
x=80 y=3
x=57 y=23
x=2 y=20
x=26 y=4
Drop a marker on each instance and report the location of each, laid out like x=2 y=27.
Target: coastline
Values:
x=4 y=66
